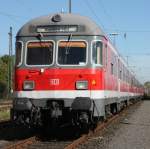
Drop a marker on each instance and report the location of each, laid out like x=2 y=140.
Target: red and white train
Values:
x=67 y=70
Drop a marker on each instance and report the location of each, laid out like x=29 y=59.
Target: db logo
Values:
x=54 y=81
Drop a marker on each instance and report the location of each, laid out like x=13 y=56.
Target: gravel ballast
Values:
x=130 y=131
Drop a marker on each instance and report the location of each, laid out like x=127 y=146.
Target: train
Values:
x=68 y=71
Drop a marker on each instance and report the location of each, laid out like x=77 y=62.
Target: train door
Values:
x=105 y=66
x=119 y=77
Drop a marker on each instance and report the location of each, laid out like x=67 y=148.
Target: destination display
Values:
x=57 y=29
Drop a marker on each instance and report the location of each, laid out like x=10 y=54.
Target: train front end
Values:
x=54 y=77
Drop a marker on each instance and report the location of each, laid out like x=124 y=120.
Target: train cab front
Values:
x=45 y=83
x=52 y=83
x=58 y=70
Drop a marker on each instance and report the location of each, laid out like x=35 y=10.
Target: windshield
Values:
x=39 y=53
x=72 y=53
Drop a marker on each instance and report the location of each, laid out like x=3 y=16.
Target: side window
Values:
x=120 y=75
x=97 y=52
x=112 y=68
x=115 y=65
x=118 y=68
x=106 y=54
x=112 y=64
x=18 y=53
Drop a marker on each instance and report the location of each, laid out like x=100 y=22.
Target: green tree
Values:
x=3 y=89
x=4 y=63
x=147 y=88
x=5 y=59
x=147 y=84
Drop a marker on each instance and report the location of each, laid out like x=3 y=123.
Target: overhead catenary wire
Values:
x=128 y=30
x=138 y=54
x=124 y=32
x=22 y=3
x=13 y=17
x=9 y=15
x=94 y=13
x=106 y=13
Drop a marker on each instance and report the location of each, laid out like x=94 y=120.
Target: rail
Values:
x=74 y=143
x=5 y=105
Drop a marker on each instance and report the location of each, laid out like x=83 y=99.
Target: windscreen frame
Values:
x=101 y=56
x=72 y=65
x=37 y=41
x=21 y=54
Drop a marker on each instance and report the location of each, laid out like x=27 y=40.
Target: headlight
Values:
x=82 y=85
x=28 y=85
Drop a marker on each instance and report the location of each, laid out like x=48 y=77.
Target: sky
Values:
x=129 y=19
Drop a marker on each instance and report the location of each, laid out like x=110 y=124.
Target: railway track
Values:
x=43 y=142
x=4 y=123
x=38 y=142
x=21 y=144
x=7 y=102
x=11 y=134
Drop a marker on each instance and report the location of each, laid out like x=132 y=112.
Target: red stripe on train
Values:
x=59 y=79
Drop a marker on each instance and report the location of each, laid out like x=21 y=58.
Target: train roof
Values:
x=86 y=25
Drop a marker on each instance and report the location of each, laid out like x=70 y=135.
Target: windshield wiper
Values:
x=69 y=37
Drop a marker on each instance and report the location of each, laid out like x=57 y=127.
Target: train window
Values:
x=72 y=53
x=18 y=53
x=97 y=52
x=118 y=68
x=106 y=54
x=112 y=68
x=39 y=53
x=120 y=75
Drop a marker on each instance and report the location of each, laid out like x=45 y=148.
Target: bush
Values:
x=3 y=89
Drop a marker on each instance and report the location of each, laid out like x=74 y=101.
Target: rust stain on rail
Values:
x=84 y=138
x=21 y=144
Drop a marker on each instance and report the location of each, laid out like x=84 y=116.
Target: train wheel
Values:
x=113 y=108
x=84 y=128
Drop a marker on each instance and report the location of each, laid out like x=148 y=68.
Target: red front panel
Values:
x=59 y=79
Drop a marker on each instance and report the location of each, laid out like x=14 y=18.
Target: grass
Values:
x=5 y=114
